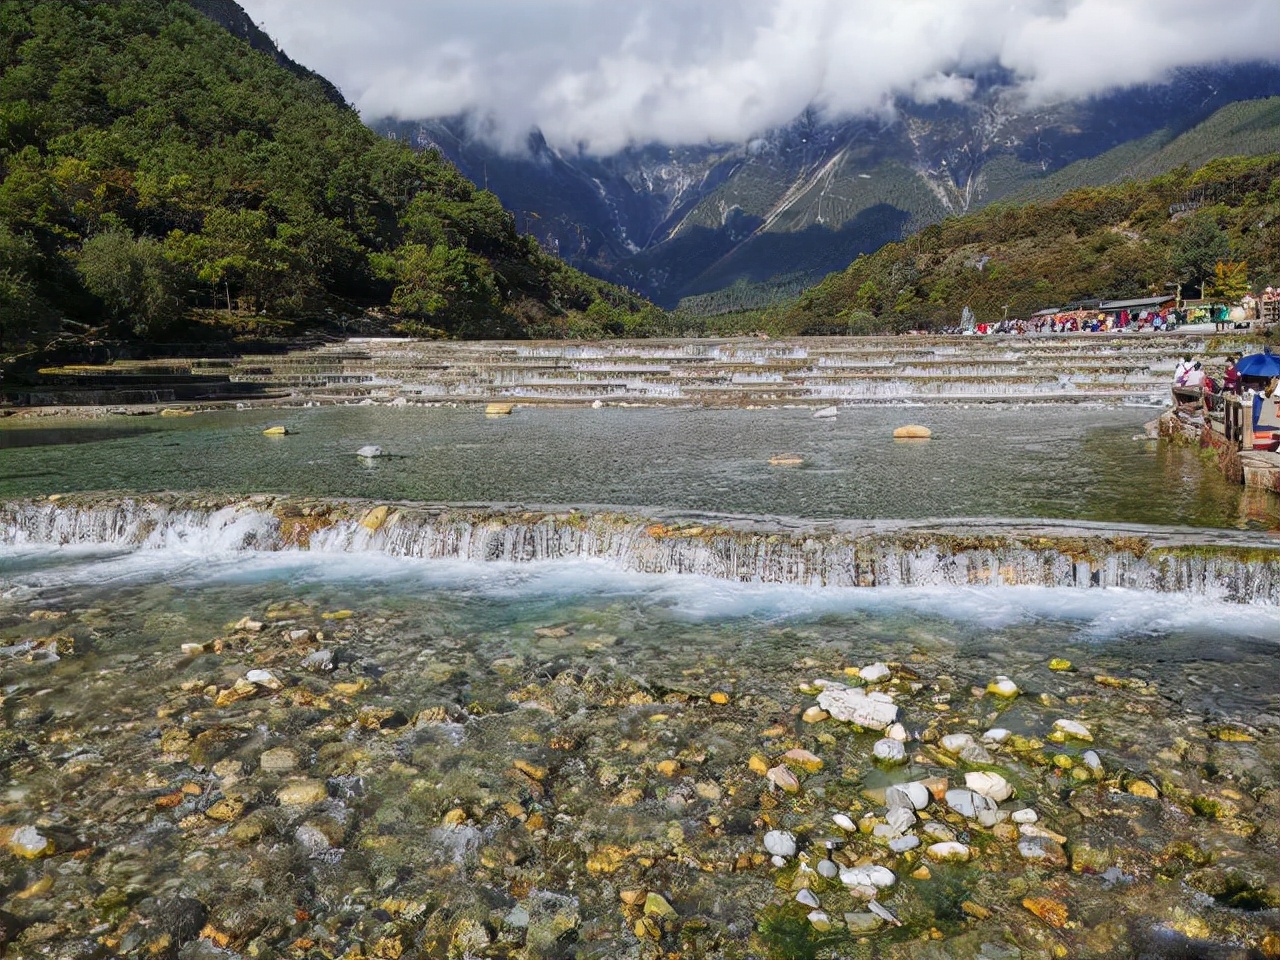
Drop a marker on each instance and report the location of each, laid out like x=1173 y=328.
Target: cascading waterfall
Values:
x=1221 y=565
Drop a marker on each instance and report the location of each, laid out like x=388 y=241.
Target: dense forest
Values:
x=161 y=180
x=1217 y=226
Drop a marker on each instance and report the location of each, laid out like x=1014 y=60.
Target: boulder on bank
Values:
x=912 y=432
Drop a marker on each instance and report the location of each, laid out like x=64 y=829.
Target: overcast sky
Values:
x=603 y=73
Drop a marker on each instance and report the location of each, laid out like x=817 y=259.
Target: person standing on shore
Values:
x=1180 y=371
x=1231 y=377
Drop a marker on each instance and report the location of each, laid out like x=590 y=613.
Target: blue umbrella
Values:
x=1265 y=364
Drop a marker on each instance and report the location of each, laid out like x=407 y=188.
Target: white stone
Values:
x=990 y=785
x=819 y=919
x=975 y=753
x=780 y=843
x=1025 y=815
x=889 y=751
x=996 y=735
x=875 y=672
x=1092 y=761
x=969 y=804
x=939 y=831
x=874 y=711
x=883 y=913
x=947 y=850
x=778 y=861
x=903 y=844
x=828 y=869
x=1073 y=728
x=278 y=760
x=956 y=742
x=808 y=899
x=872 y=875
x=900 y=819
x=597 y=404
x=1002 y=686
x=914 y=795
x=264 y=678
x=1037 y=849
x=369 y=451
x=28 y=841
x=318 y=660
x=311 y=838
x=896 y=731
x=843 y=822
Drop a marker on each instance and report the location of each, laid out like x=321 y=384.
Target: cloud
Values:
x=600 y=74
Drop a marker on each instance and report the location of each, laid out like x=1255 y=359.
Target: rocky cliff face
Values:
x=798 y=202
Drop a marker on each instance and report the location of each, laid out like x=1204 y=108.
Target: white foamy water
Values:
x=59 y=574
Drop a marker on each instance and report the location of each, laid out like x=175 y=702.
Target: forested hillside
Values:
x=160 y=179
x=1131 y=239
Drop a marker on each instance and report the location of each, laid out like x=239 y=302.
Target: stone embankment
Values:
x=740 y=372
x=1256 y=470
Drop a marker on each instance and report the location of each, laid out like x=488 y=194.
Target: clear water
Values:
x=1077 y=462
x=600 y=677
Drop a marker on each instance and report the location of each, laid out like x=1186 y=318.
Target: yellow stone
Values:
x=36 y=890
x=921 y=873
x=669 y=768
x=1059 y=664
x=174 y=412
x=531 y=770
x=655 y=905
x=720 y=697
x=647 y=928
x=351 y=688
x=455 y=817
x=337 y=615
x=632 y=898
x=659 y=718
x=912 y=432
x=606 y=859
x=814 y=715
x=275 y=431
x=1231 y=735
x=977 y=911
x=302 y=793
x=498 y=409
x=1141 y=788
x=758 y=764
x=226 y=809
x=375 y=518
x=786 y=460
x=628 y=797
x=1052 y=912
x=803 y=759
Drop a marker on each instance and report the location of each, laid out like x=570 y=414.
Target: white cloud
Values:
x=604 y=73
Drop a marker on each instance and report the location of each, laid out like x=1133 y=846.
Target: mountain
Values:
x=1215 y=225
x=782 y=210
x=167 y=173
